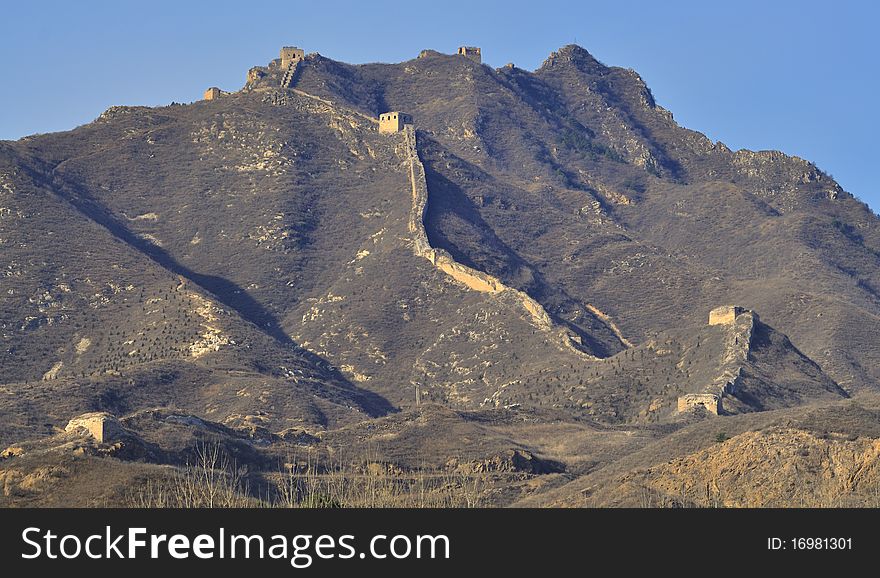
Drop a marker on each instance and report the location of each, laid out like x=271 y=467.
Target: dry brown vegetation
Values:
x=215 y=480
x=243 y=268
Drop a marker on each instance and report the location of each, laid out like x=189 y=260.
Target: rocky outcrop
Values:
x=15 y=482
x=510 y=461
x=782 y=179
x=711 y=402
x=772 y=468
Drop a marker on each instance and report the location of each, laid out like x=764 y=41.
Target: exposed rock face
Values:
x=16 y=482
x=212 y=339
x=509 y=462
x=711 y=402
x=11 y=452
x=779 y=467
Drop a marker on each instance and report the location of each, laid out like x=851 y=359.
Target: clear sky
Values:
x=801 y=77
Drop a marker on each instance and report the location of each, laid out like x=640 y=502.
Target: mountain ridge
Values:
x=537 y=241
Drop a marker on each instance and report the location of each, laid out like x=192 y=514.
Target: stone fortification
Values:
x=738 y=325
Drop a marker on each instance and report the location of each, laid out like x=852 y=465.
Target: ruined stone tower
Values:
x=725 y=314
x=290 y=55
x=212 y=93
x=472 y=52
x=393 y=121
x=100 y=425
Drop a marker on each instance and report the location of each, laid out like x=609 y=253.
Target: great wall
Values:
x=607 y=320
x=396 y=122
x=738 y=325
x=471 y=278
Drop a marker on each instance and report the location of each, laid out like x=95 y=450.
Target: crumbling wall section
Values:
x=471 y=278
x=102 y=426
x=606 y=319
x=737 y=345
x=290 y=75
x=739 y=329
x=709 y=401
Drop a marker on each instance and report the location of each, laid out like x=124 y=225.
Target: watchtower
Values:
x=100 y=425
x=393 y=121
x=472 y=52
x=725 y=315
x=212 y=93
x=291 y=54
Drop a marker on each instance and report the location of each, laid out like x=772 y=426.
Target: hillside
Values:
x=535 y=257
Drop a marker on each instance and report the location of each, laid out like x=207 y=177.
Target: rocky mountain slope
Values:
x=539 y=248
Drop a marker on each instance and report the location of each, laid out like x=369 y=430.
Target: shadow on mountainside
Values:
x=447 y=199
x=223 y=290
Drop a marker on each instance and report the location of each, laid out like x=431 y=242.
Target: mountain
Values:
x=543 y=261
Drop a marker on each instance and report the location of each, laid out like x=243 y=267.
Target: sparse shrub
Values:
x=214 y=480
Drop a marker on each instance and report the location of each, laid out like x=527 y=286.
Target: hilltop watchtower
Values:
x=212 y=93
x=725 y=315
x=394 y=121
x=290 y=55
x=472 y=52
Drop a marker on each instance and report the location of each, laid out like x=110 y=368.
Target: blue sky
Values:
x=801 y=77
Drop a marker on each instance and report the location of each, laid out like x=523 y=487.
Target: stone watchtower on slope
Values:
x=212 y=93
x=472 y=52
x=393 y=121
x=725 y=314
x=291 y=55
x=102 y=426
